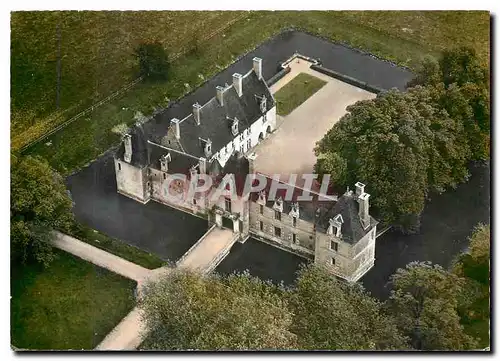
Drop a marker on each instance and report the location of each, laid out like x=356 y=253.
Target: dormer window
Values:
x=234 y=127
x=335 y=226
x=263 y=104
x=278 y=205
x=208 y=148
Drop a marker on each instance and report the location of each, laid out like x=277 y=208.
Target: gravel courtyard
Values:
x=290 y=149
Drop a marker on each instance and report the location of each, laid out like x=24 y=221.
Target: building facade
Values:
x=160 y=159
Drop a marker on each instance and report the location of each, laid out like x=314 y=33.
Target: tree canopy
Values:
x=39 y=203
x=424 y=301
x=334 y=315
x=187 y=311
x=405 y=145
x=474 y=301
x=153 y=61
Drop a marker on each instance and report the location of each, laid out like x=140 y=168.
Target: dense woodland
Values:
x=407 y=145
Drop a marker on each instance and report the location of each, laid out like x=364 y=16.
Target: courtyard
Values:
x=290 y=149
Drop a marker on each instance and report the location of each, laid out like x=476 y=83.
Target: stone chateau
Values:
x=218 y=139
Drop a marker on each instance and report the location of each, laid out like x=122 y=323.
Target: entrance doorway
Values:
x=227 y=223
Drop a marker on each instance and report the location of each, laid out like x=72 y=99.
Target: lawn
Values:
x=118 y=248
x=297 y=91
x=403 y=37
x=71 y=304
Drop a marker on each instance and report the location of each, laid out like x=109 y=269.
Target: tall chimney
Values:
x=257 y=67
x=363 y=210
x=360 y=189
x=196 y=112
x=176 y=123
x=164 y=159
x=220 y=94
x=127 y=141
x=203 y=165
x=238 y=83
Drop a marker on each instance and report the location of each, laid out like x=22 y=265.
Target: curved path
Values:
x=203 y=256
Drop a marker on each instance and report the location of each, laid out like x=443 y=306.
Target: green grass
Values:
x=116 y=247
x=71 y=304
x=296 y=92
x=403 y=37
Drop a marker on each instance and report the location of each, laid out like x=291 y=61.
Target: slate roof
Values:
x=214 y=122
x=352 y=230
x=140 y=147
x=320 y=211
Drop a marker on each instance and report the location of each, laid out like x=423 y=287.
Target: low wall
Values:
x=274 y=79
x=347 y=79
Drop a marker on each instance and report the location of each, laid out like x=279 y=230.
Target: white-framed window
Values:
x=294 y=238
x=249 y=143
x=332 y=261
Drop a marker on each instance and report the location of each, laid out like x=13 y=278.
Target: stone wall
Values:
x=132 y=181
x=303 y=230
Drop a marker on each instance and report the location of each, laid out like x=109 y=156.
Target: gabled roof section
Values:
x=214 y=123
x=140 y=147
x=352 y=230
x=216 y=120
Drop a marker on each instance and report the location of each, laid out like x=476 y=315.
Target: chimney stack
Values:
x=363 y=210
x=203 y=165
x=360 y=189
x=196 y=112
x=238 y=83
x=257 y=67
x=220 y=94
x=127 y=141
x=176 y=124
x=164 y=159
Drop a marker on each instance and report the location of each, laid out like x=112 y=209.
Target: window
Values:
x=242 y=148
x=333 y=261
x=164 y=175
x=261 y=226
x=294 y=238
x=334 y=246
x=194 y=201
x=261 y=209
x=249 y=143
x=227 y=204
x=241 y=137
x=277 y=215
x=294 y=221
x=119 y=166
x=277 y=231
x=264 y=118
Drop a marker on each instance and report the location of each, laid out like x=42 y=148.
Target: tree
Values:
x=187 y=311
x=464 y=93
x=424 y=302
x=153 y=61
x=403 y=146
x=474 y=267
x=39 y=203
x=335 y=315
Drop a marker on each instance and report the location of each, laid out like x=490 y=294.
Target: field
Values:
x=97 y=58
x=71 y=304
x=297 y=91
